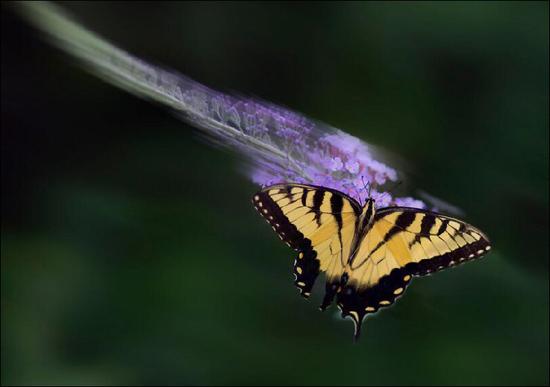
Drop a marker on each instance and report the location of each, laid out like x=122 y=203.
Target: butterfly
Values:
x=369 y=255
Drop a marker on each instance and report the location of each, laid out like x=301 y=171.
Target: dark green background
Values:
x=130 y=250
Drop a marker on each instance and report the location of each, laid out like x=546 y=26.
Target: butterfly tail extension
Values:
x=357 y=318
x=357 y=332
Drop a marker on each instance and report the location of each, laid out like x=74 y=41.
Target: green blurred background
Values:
x=131 y=253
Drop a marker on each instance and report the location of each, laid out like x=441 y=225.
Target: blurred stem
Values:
x=133 y=74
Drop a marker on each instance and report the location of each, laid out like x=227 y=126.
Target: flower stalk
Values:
x=279 y=145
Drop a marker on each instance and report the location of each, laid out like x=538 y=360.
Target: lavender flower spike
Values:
x=280 y=145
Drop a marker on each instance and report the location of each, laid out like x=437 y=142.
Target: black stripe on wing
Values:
x=453 y=229
x=273 y=214
x=311 y=189
x=404 y=220
x=306 y=266
x=426 y=225
x=455 y=257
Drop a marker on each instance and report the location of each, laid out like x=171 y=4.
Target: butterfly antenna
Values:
x=367 y=186
x=358 y=193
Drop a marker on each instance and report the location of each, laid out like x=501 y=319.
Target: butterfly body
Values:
x=363 y=224
x=368 y=255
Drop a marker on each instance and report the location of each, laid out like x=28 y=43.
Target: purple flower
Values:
x=336 y=164
x=409 y=202
x=295 y=149
x=381 y=199
x=353 y=166
x=263 y=177
x=288 y=133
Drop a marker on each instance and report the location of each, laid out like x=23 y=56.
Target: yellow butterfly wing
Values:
x=317 y=222
x=402 y=243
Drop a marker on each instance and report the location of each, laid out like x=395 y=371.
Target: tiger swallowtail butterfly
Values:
x=369 y=256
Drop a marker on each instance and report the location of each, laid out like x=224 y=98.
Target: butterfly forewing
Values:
x=317 y=222
x=434 y=241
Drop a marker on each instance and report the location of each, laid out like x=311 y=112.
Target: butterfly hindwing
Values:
x=306 y=270
x=317 y=222
x=357 y=301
